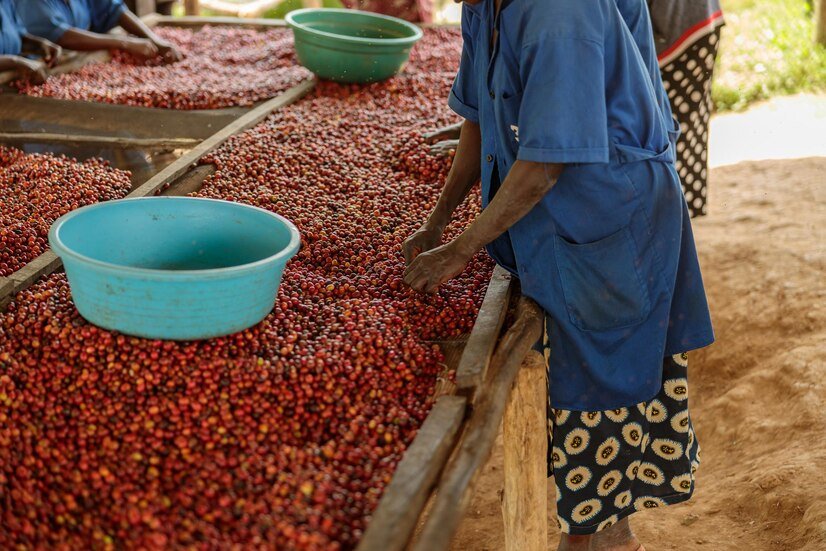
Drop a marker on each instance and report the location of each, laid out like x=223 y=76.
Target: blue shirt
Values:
x=638 y=20
x=608 y=252
x=52 y=18
x=11 y=29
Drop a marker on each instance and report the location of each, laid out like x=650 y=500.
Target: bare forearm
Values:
x=526 y=184
x=10 y=62
x=463 y=174
x=133 y=24
x=78 y=39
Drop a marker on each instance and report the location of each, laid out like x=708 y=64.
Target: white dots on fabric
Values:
x=696 y=97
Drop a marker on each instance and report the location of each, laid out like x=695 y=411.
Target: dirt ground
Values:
x=758 y=396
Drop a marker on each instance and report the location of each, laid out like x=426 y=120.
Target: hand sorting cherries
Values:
x=222 y=67
x=283 y=436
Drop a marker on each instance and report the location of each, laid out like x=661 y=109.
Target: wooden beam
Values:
x=144 y=7
x=180 y=166
x=455 y=487
x=525 y=444
x=23 y=278
x=111 y=141
x=820 y=22
x=200 y=21
x=192 y=7
x=190 y=182
x=483 y=338
x=397 y=514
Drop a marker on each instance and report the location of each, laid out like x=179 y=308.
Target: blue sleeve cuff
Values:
x=562 y=156
x=462 y=109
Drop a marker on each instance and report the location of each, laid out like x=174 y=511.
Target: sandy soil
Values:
x=758 y=395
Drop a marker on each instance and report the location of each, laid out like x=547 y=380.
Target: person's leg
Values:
x=568 y=542
x=618 y=537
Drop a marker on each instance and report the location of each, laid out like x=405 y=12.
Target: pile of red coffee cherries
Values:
x=37 y=189
x=283 y=436
x=223 y=67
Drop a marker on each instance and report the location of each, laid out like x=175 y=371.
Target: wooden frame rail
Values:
x=455 y=487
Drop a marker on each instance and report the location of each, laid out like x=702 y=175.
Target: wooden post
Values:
x=525 y=443
x=144 y=7
x=820 y=22
x=192 y=7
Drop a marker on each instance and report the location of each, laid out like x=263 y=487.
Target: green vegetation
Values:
x=767 y=49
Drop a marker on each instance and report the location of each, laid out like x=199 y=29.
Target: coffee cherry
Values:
x=37 y=189
x=282 y=436
x=222 y=67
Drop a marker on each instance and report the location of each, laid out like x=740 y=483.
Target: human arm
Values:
x=525 y=185
x=78 y=39
x=132 y=24
x=462 y=177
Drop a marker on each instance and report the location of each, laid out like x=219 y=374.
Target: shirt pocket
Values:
x=601 y=282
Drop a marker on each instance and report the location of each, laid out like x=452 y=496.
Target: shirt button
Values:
x=489 y=158
x=492 y=95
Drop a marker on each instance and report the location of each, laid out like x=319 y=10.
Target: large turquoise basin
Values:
x=176 y=268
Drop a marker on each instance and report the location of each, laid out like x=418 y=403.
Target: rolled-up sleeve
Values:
x=41 y=19
x=563 y=113
x=463 y=96
x=105 y=14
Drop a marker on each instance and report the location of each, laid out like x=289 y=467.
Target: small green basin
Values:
x=351 y=45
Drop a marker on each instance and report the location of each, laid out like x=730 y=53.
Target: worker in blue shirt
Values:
x=15 y=40
x=83 y=25
x=566 y=125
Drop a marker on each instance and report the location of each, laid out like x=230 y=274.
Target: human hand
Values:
x=450 y=132
x=444 y=148
x=422 y=240
x=168 y=51
x=141 y=47
x=32 y=70
x=434 y=267
x=51 y=52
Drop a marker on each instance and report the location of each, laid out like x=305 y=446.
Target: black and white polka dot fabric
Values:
x=607 y=465
x=687 y=80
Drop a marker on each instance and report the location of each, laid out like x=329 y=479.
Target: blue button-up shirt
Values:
x=608 y=252
x=52 y=18
x=11 y=29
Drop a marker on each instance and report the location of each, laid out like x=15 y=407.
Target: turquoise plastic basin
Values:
x=176 y=268
x=351 y=45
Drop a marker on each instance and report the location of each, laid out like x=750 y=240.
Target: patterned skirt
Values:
x=607 y=465
x=687 y=80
